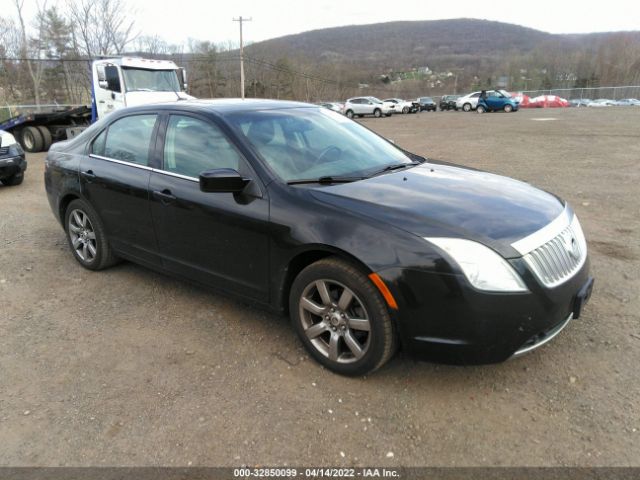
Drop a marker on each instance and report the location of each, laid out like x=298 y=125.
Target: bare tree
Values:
x=101 y=27
x=32 y=47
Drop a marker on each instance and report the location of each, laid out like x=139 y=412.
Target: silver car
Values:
x=360 y=106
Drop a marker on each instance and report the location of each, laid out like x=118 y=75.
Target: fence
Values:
x=592 y=93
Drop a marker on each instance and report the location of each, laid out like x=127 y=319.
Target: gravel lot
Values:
x=129 y=367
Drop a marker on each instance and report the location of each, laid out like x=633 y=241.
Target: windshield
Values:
x=310 y=143
x=375 y=100
x=505 y=93
x=140 y=80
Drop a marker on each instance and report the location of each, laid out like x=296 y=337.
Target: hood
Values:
x=144 y=98
x=441 y=200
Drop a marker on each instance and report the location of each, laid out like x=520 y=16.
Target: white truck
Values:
x=115 y=83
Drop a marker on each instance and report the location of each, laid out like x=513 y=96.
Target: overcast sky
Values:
x=176 y=21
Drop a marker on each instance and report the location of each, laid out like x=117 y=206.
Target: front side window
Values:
x=129 y=138
x=307 y=143
x=193 y=146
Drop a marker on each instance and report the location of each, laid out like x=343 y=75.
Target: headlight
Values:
x=484 y=268
x=8 y=139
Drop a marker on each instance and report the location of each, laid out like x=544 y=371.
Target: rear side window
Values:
x=128 y=139
x=97 y=147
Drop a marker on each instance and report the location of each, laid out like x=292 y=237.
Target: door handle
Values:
x=165 y=196
x=88 y=175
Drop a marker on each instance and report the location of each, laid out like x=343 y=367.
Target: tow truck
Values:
x=115 y=83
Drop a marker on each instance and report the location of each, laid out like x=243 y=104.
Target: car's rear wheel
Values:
x=13 y=180
x=377 y=113
x=508 y=108
x=349 y=113
x=87 y=237
x=481 y=109
x=466 y=107
x=341 y=317
x=405 y=110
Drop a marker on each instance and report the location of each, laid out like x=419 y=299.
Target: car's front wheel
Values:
x=349 y=113
x=508 y=108
x=341 y=317
x=87 y=237
x=466 y=107
x=405 y=110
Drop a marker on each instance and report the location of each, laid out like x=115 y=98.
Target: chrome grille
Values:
x=557 y=260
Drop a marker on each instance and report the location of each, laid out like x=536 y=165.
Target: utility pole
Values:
x=241 y=20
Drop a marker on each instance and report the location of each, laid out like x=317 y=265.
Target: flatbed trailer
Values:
x=36 y=130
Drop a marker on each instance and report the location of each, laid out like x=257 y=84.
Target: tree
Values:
x=101 y=27
x=31 y=47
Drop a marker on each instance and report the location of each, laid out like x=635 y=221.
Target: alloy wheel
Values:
x=335 y=321
x=82 y=235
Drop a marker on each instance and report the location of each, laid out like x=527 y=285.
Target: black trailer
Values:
x=37 y=130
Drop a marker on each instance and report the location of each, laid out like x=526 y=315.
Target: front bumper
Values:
x=442 y=318
x=9 y=166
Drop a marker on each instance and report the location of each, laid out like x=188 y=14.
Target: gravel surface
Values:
x=130 y=367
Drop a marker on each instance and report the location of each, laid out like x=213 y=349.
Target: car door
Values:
x=494 y=100
x=358 y=106
x=114 y=179
x=218 y=239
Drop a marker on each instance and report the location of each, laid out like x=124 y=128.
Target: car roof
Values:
x=224 y=105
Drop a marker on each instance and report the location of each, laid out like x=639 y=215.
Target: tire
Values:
x=377 y=113
x=92 y=251
x=508 y=108
x=405 y=110
x=13 y=180
x=481 y=109
x=47 y=140
x=349 y=114
x=466 y=107
x=31 y=139
x=333 y=324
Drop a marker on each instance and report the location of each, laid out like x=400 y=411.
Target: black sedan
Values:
x=12 y=160
x=368 y=248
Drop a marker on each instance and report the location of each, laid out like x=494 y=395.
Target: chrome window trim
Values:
x=122 y=162
x=144 y=167
x=545 y=234
x=177 y=175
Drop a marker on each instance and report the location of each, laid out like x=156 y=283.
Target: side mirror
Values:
x=102 y=76
x=222 y=180
x=182 y=75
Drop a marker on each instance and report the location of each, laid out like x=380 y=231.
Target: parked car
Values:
x=628 y=102
x=548 y=101
x=404 y=106
x=360 y=106
x=579 y=102
x=368 y=248
x=13 y=162
x=335 y=106
x=448 y=102
x=468 y=102
x=601 y=102
x=496 y=100
x=427 y=104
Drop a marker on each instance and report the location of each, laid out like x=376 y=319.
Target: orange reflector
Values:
x=377 y=281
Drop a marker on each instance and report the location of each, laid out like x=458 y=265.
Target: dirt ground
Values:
x=129 y=367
